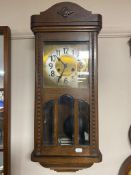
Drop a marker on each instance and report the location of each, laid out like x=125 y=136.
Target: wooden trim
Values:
x=125 y=167
x=7 y=91
x=65 y=29
x=129 y=134
x=107 y=32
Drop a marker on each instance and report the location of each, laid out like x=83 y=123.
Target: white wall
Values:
x=114 y=83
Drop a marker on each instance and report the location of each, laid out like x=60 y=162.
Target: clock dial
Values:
x=61 y=66
x=66 y=66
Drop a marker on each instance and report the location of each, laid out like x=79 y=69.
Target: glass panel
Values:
x=65 y=64
x=1 y=163
x=1 y=89
x=84 y=122
x=1 y=130
x=48 y=123
x=1 y=61
x=65 y=71
x=1 y=101
x=66 y=120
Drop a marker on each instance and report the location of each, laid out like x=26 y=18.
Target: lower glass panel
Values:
x=66 y=120
x=84 y=122
x=1 y=128
x=48 y=123
x=1 y=116
x=1 y=164
x=63 y=120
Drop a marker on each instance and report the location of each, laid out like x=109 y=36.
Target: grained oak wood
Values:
x=65 y=14
x=126 y=167
x=67 y=163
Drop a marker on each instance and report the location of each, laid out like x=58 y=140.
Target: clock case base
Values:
x=66 y=163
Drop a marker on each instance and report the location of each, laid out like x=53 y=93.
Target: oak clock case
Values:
x=4 y=100
x=66 y=102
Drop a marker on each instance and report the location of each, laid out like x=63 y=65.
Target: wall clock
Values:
x=66 y=97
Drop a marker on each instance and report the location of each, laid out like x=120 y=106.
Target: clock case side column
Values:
x=38 y=101
x=94 y=130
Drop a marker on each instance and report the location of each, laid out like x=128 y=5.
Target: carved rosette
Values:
x=65 y=12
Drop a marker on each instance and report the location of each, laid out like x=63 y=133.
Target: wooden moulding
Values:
x=5 y=31
x=129 y=134
x=65 y=16
x=66 y=163
x=126 y=167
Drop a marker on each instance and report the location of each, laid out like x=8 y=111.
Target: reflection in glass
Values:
x=1 y=98
x=1 y=61
x=66 y=120
x=1 y=116
x=48 y=123
x=84 y=122
x=1 y=89
x=1 y=163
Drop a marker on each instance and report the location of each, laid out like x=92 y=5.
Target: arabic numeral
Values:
x=73 y=52
x=50 y=65
x=52 y=73
x=58 y=52
x=65 y=50
x=53 y=57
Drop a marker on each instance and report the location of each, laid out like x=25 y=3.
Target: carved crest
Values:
x=65 y=12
